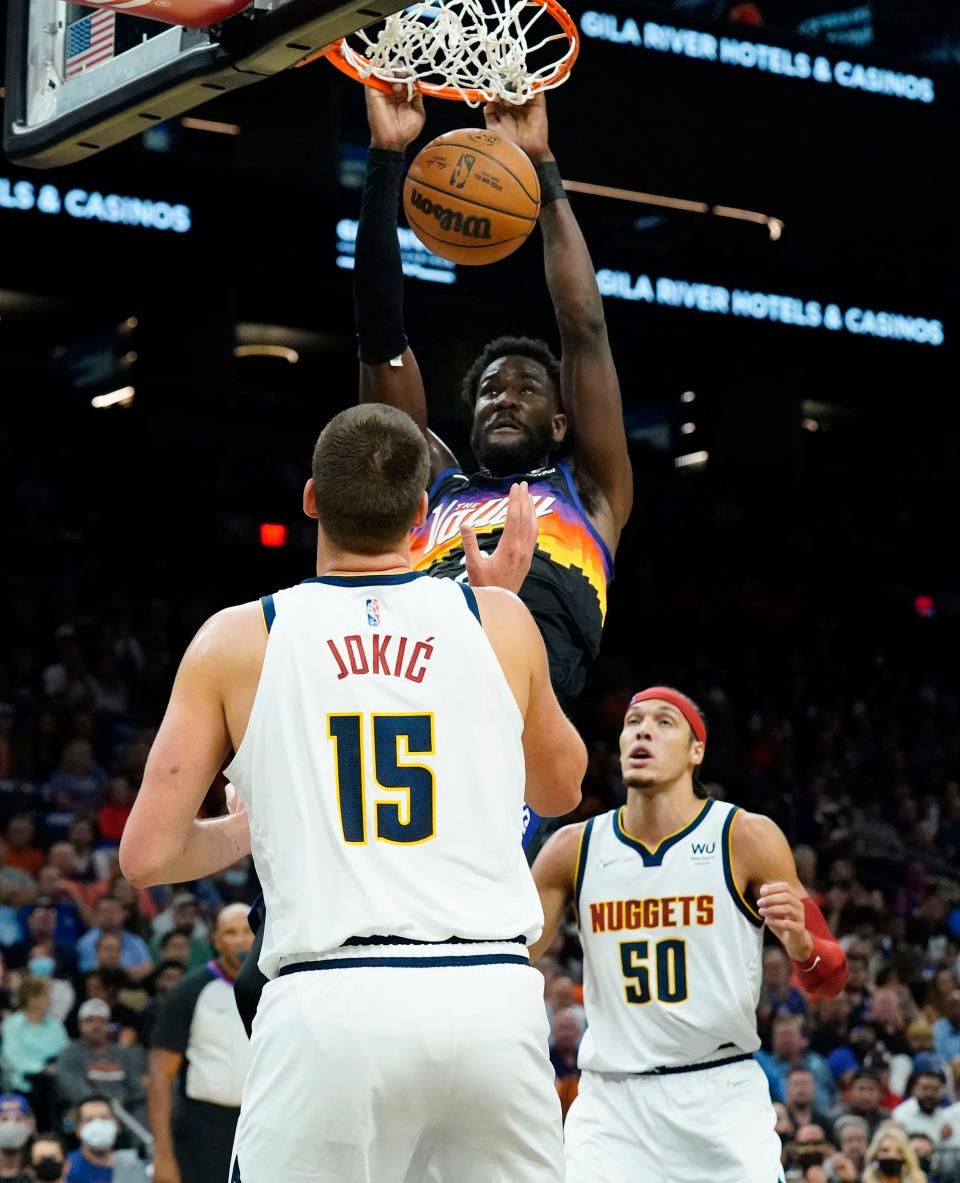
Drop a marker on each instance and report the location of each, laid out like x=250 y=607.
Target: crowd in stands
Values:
x=850 y=743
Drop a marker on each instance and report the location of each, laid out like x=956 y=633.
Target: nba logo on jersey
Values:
x=373 y=612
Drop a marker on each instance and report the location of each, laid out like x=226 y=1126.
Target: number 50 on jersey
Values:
x=406 y=821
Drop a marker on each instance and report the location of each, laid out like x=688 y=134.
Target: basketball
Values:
x=471 y=196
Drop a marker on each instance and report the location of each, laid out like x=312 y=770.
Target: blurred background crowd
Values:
x=831 y=721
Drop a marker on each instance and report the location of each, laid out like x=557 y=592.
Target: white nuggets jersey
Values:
x=672 y=950
x=383 y=772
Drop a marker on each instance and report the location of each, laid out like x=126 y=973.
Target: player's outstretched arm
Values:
x=388 y=369
x=163 y=842
x=590 y=388
x=553 y=872
x=554 y=753
x=763 y=862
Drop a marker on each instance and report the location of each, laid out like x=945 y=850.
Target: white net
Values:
x=481 y=49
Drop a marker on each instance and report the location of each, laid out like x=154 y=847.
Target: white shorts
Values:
x=714 y=1124
x=401 y=1075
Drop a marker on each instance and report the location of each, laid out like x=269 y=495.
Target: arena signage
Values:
x=91 y=206
x=417 y=261
x=765 y=306
x=753 y=55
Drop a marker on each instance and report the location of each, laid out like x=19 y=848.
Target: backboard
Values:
x=80 y=79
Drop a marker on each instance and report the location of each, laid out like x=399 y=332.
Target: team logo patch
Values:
x=702 y=853
x=373 y=611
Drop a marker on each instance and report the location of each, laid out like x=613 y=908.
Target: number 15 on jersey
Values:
x=407 y=821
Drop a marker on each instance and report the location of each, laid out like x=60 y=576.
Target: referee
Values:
x=199 y=1043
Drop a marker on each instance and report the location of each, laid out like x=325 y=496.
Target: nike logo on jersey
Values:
x=612 y=862
x=447 y=519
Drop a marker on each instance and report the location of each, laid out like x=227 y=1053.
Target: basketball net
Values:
x=477 y=51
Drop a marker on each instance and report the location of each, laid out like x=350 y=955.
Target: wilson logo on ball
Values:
x=470 y=226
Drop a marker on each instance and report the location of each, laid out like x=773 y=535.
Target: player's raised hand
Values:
x=524 y=125
x=508 y=564
x=782 y=911
x=395 y=119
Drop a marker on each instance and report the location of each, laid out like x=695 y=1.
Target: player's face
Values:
x=656 y=745
x=516 y=424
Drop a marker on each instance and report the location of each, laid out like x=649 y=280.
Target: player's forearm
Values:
x=160 y=1109
x=206 y=848
x=571 y=279
x=378 y=270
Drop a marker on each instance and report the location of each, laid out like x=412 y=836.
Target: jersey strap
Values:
x=726 y=846
x=269 y=610
x=581 y=862
x=471 y=597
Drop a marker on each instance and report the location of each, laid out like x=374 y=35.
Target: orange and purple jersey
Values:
x=566 y=589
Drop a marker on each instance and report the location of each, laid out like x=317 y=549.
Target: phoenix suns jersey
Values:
x=671 y=948
x=566 y=589
x=383 y=786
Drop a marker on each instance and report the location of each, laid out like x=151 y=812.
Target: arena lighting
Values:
x=691 y=460
x=774 y=225
x=220 y=129
x=273 y=534
x=687 y=428
x=264 y=350
x=131 y=322
x=925 y=607
x=122 y=397
x=810 y=425
x=688 y=396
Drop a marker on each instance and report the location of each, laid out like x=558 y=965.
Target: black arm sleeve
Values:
x=378 y=274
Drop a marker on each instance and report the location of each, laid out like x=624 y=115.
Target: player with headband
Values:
x=671 y=893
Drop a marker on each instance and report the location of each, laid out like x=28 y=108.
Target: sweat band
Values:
x=825 y=973
x=551 y=183
x=683 y=704
x=378 y=272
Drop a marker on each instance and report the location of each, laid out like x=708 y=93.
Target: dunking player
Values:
x=525 y=402
x=403 y=1034
x=525 y=405
x=671 y=895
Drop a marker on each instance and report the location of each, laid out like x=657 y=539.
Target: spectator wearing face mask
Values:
x=97 y=1161
x=48 y=1158
x=16 y=1130
x=891 y=1159
x=809 y=1149
x=42 y=964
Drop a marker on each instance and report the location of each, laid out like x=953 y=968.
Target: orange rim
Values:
x=334 y=54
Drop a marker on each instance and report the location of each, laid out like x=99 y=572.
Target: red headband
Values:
x=683 y=704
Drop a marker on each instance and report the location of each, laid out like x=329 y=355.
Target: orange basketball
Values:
x=471 y=196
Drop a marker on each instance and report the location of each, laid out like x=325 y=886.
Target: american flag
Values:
x=90 y=41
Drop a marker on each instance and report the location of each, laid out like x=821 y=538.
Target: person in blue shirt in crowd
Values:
x=134 y=954
x=97 y=1160
x=790 y=1049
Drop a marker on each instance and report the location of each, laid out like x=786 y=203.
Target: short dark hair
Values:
x=99 y=1098
x=52 y=1136
x=530 y=347
x=370 y=465
x=866 y=1074
x=796 y=1069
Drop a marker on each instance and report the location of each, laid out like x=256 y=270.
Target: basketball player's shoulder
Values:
x=230 y=635
x=502 y=609
x=557 y=861
x=757 y=841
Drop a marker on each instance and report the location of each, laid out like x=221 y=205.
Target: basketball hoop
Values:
x=474 y=51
